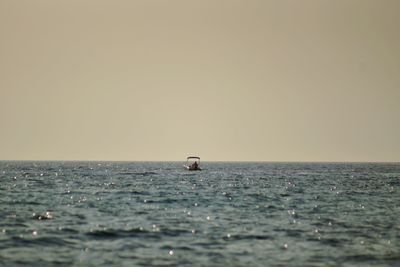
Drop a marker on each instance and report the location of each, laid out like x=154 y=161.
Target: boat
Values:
x=192 y=164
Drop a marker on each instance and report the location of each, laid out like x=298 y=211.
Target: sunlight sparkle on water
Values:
x=123 y=209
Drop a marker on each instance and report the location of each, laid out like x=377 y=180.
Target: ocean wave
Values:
x=245 y=214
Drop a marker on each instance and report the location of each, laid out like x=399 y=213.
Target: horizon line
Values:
x=210 y=161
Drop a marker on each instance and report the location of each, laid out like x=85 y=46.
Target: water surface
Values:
x=229 y=214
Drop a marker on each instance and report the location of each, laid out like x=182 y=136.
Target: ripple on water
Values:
x=230 y=214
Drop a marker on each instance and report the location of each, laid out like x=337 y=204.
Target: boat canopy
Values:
x=193 y=158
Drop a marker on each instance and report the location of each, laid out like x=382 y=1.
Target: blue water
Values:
x=229 y=214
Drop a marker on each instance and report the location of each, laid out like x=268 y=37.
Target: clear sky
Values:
x=283 y=80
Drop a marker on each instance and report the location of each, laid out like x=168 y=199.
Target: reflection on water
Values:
x=229 y=214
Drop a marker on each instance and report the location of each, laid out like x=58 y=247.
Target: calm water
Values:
x=230 y=214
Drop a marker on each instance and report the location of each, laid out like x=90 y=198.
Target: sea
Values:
x=228 y=214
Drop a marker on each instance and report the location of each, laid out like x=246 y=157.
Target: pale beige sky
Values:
x=284 y=80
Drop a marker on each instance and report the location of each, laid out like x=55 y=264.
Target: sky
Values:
x=226 y=80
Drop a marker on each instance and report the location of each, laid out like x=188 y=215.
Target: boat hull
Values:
x=190 y=168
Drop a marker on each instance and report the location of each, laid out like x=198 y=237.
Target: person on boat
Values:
x=195 y=165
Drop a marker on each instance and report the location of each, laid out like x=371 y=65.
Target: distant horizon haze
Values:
x=257 y=80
